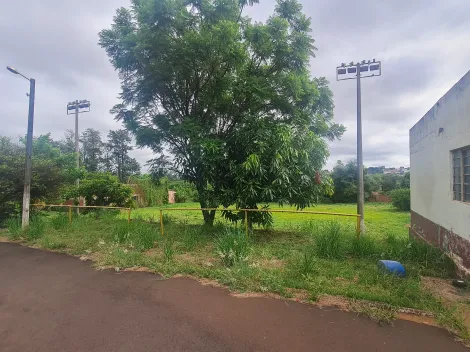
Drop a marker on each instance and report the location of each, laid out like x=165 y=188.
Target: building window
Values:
x=461 y=171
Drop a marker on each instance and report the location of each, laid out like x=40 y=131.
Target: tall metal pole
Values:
x=77 y=150
x=29 y=152
x=360 y=162
x=362 y=70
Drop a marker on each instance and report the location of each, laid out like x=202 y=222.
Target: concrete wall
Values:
x=435 y=215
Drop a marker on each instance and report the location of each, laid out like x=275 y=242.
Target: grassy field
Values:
x=380 y=219
x=303 y=256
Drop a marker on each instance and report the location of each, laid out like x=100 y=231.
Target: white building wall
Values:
x=431 y=159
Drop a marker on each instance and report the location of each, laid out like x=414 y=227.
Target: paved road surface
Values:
x=52 y=302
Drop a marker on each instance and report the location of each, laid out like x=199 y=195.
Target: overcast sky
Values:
x=424 y=47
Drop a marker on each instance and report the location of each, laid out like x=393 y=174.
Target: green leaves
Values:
x=102 y=189
x=52 y=169
x=231 y=100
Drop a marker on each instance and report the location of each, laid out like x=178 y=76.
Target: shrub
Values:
x=36 y=228
x=100 y=188
x=60 y=221
x=137 y=234
x=364 y=247
x=168 y=249
x=144 y=235
x=190 y=238
x=401 y=199
x=13 y=225
x=232 y=246
x=185 y=192
x=307 y=262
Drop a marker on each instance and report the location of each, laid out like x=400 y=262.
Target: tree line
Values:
x=54 y=168
x=344 y=176
x=97 y=155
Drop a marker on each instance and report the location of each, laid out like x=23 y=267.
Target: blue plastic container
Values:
x=392 y=267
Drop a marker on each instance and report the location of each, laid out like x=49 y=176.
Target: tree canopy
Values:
x=118 y=160
x=102 y=189
x=230 y=100
x=52 y=170
x=344 y=177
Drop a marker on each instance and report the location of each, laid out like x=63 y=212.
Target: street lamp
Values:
x=357 y=71
x=29 y=149
x=77 y=107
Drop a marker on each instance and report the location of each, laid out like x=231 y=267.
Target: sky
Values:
x=423 y=46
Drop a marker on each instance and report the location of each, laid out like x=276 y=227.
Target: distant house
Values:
x=391 y=170
x=440 y=174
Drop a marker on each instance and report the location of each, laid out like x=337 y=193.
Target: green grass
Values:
x=232 y=246
x=317 y=254
x=379 y=218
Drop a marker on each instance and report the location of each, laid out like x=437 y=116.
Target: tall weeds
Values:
x=232 y=246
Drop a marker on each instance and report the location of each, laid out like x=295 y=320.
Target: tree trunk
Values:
x=209 y=216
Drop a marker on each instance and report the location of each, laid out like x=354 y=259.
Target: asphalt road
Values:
x=53 y=302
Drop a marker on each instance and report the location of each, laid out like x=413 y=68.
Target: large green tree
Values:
x=92 y=149
x=345 y=182
x=67 y=144
x=232 y=101
x=118 y=160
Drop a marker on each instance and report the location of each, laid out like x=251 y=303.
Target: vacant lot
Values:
x=302 y=257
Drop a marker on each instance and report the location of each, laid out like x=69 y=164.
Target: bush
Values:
x=168 y=249
x=60 y=221
x=13 y=225
x=185 y=192
x=364 y=247
x=233 y=247
x=9 y=210
x=137 y=234
x=102 y=189
x=36 y=228
x=401 y=199
x=307 y=262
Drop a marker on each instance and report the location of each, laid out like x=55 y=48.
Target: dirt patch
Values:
x=444 y=289
x=334 y=302
x=299 y=295
x=138 y=269
x=273 y=263
x=153 y=252
x=451 y=295
x=420 y=319
x=377 y=311
x=255 y=295
x=186 y=257
x=202 y=281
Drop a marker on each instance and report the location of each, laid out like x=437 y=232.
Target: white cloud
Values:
x=423 y=45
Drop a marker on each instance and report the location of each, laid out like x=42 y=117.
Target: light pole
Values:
x=357 y=71
x=29 y=150
x=77 y=106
